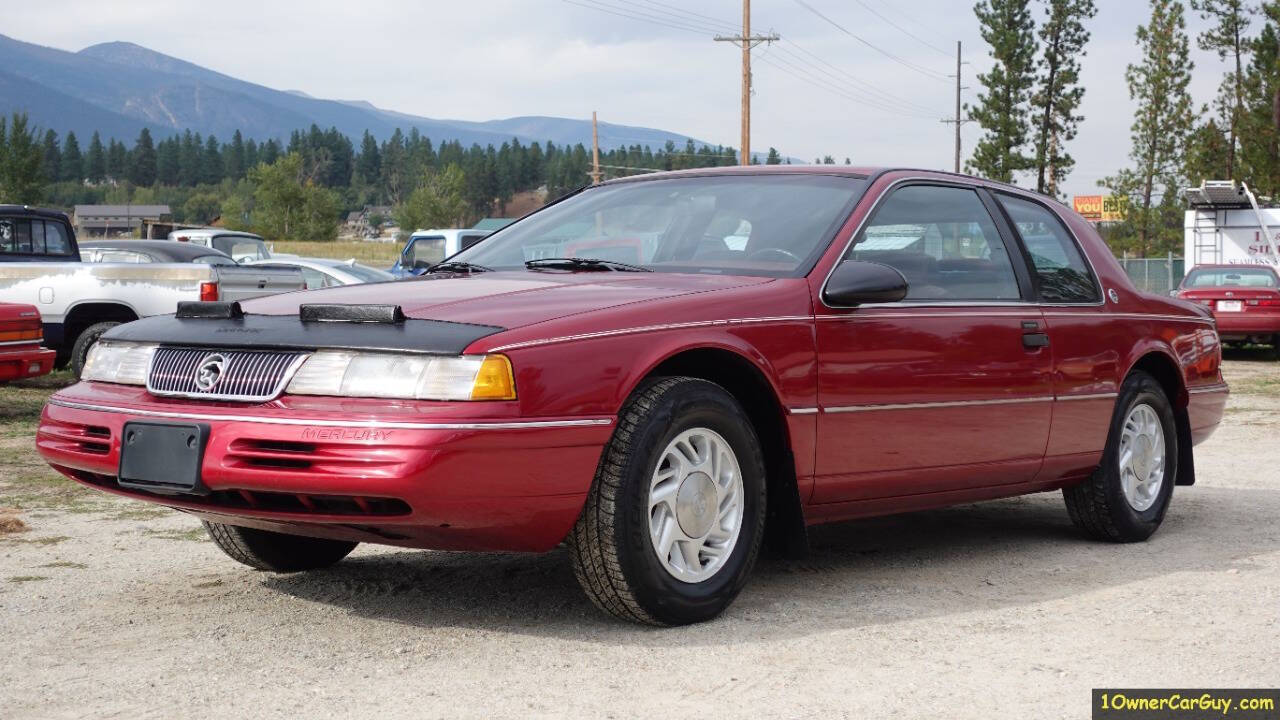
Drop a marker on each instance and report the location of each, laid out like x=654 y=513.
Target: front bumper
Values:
x=394 y=478
x=25 y=361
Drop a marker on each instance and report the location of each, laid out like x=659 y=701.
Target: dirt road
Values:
x=113 y=609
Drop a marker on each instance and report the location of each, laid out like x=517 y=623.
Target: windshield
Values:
x=242 y=248
x=763 y=225
x=1230 y=277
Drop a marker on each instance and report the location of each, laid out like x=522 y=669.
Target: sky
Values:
x=875 y=92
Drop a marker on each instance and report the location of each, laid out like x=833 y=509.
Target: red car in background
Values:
x=791 y=346
x=20 y=335
x=1245 y=300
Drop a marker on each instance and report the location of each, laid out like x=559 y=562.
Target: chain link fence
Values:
x=1155 y=275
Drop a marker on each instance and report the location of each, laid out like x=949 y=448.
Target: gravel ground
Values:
x=113 y=609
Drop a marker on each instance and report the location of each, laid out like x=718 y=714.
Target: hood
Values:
x=506 y=299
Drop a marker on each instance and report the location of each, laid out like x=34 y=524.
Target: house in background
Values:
x=362 y=222
x=117 y=220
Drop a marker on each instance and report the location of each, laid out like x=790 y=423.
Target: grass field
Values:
x=378 y=254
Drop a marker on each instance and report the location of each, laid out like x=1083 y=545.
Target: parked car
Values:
x=325 y=272
x=79 y=301
x=1245 y=300
x=240 y=246
x=425 y=248
x=151 y=251
x=20 y=334
x=881 y=342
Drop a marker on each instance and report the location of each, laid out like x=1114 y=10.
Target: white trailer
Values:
x=1226 y=225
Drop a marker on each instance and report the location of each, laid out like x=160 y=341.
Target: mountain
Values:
x=118 y=88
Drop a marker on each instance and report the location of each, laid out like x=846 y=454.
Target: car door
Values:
x=949 y=388
x=1086 y=367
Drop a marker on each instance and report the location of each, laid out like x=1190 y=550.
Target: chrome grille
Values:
x=243 y=375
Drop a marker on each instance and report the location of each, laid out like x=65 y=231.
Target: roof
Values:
x=493 y=224
x=138 y=211
x=28 y=210
x=173 y=251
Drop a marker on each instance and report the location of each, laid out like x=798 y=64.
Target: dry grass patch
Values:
x=378 y=254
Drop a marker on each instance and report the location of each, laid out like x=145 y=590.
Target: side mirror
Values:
x=856 y=282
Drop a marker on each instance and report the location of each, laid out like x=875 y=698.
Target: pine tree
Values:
x=233 y=157
x=773 y=158
x=1002 y=107
x=142 y=160
x=117 y=160
x=369 y=162
x=168 y=162
x=20 y=158
x=211 y=162
x=1161 y=125
x=1059 y=91
x=51 y=162
x=72 y=160
x=96 y=163
x=1260 y=123
x=1226 y=38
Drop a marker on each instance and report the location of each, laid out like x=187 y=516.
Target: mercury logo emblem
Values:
x=210 y=370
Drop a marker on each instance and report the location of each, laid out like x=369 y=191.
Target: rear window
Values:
x=365 y=273
x=1230 y=277
x=26 y=236
x=241 y=248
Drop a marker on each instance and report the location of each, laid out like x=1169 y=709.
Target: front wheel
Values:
x=1126 y=497
x=673 y=522
x=277 y=552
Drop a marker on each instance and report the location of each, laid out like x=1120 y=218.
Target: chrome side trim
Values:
x=803 y=411
x=1093 y=396
x=33 y=341
x=1216 y=388
x=349 y=423
x=1132 y=316
x=649 y=328
x=923 y=406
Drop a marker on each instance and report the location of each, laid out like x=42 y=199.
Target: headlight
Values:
x=118 y=362
x=421 y=377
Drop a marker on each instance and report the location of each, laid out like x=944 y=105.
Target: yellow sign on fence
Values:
x=1100 y=208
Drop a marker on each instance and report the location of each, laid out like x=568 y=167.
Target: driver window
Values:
x=945 y=243
x=426 y=251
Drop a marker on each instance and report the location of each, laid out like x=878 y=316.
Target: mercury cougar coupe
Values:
x=661 y=372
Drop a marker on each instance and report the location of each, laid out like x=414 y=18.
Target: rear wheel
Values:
x=1126 y=498
x=673 y=523
x=1275 y=346
x=84 y=341
x=277 y=552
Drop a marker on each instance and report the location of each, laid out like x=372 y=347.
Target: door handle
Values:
x=1034 y=340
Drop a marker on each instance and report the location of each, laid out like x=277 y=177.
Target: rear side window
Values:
x=1063 y=274
x=943 y=241
x=469 y=240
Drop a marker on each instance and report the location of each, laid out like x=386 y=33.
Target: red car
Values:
x=1245 y=300
x=796 y=346
x=20 y=335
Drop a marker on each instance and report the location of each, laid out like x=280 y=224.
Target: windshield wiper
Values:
x=579 y=263
x=458 y=266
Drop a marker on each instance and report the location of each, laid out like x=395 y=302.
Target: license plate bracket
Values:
x=1230 y=306
x=163 y=457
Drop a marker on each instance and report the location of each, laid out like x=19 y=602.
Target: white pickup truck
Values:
x=40 y=265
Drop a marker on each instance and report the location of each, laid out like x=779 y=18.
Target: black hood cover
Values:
x=290 y=332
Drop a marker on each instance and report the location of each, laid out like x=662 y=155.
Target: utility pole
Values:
x=958 y=121
x=747 y=41
x=595 y=151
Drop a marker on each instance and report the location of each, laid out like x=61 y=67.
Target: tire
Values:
x=612 y=546
x=84 y=341
x=1275 y=346
x=276 y=552
x=1101 y=506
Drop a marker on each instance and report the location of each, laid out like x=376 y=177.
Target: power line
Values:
x=856 y=84
x=724 y=25
x=903 y=30
x=801 y=74
x=686 y=28
x=912 y=66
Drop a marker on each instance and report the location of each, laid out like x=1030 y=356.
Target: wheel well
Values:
x=86 y=314
x=1165 y=371
x=784 y=524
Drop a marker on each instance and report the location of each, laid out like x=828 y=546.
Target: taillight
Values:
x=1265 y=302
x=209 y=291
x=20 y=335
